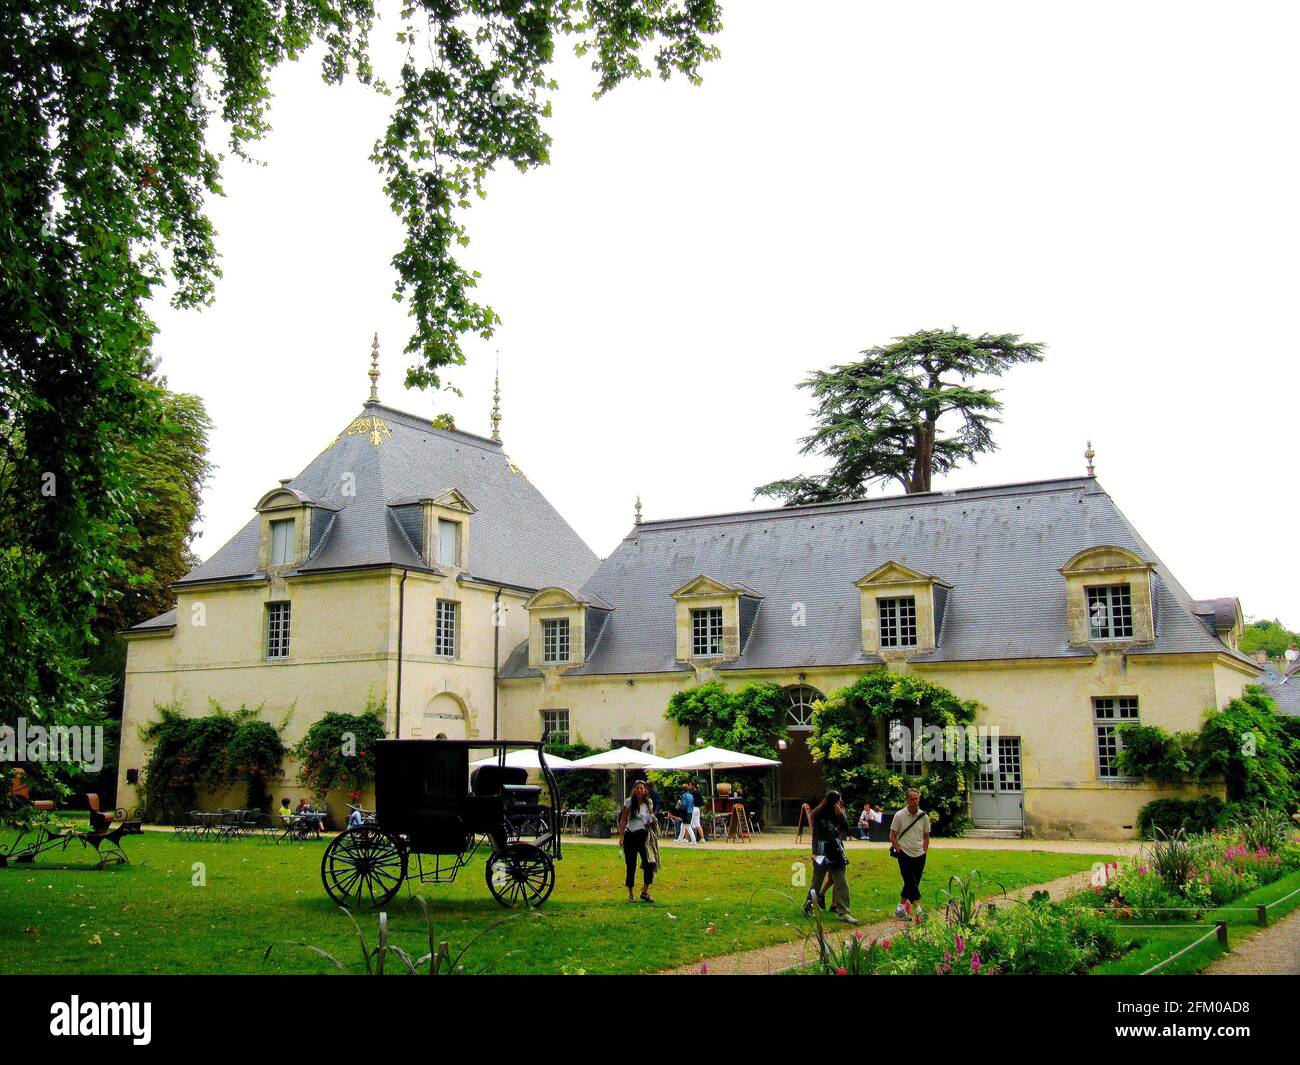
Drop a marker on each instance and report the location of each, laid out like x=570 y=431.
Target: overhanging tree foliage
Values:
x=903 y=412
x=105 y=172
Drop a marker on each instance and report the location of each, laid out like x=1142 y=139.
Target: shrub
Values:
x=338 y=751
x=1189 y=815
x=601 y=812
x=577 y=786
x=255 y=753
x=1266 y=829
x=1150 y=751
x=205 y=754
x=751 y=719
x=1247 y=745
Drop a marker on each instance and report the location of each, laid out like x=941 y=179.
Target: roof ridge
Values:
x=426 y=425
x=881 y=503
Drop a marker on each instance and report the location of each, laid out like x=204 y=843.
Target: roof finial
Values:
x=637 y=519
x=1090 y=455
x=496 y=403
x=374 y=370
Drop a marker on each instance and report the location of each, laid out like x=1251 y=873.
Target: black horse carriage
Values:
x=431 y=813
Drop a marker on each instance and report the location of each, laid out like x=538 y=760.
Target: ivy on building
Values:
x=204 y=755
x=847 y=741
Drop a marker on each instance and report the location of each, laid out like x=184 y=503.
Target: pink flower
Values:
x=959 y=943
x=857 y=936
x=975 y=963
x=885 y=944
x=947 y=956
x=704 y=969
x=907 y=906
x=841 y=971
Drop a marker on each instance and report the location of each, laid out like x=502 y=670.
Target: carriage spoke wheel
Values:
x=520 y=874
x=363 y=866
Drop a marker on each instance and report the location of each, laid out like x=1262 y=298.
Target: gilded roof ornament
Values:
x=374 y=371
x=496 y=407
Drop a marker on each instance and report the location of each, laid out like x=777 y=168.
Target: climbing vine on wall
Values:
x=848 y=742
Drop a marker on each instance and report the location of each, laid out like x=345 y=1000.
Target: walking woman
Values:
x=635 y=823
x=829 y=827
x=909 y=842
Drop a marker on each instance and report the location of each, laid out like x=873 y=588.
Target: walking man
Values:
x=909 y=842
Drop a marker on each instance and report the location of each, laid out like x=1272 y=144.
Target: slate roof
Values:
x=1283 y=689
x=516 y=536
x=1001 y=549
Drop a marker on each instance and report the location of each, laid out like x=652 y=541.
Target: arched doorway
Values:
x=799 y=779
x=444 y=718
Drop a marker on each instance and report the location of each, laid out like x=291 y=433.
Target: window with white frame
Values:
x=901 y=749
x=448 y=542
x=1109 y=714
x=1110 y=612
x=277 y=630
x=444 y=628
x=897 y=621
x=555 y=726
x=282 y=542
x=555 y=639
x=706 y=632
x=798 y=714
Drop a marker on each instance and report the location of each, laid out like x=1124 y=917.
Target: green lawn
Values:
x=1154 y=945
x=59 y=915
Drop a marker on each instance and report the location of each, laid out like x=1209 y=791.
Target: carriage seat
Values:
x=490 y=781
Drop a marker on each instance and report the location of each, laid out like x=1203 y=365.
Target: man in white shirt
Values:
x=866 y=819
x=909 y=838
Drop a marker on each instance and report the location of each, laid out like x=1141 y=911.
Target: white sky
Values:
x=1115 y=180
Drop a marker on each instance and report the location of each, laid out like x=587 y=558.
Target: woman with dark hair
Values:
x=829 y=827
x=635 y=823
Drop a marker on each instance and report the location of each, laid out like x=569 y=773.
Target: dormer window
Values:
x=902 y=610
x=706 y=632
x=555 y=640
x=448 y=542
x=897 y=621
x=282 y=531
x=1110 y=612
x=1111 y=594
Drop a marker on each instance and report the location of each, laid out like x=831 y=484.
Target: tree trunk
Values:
x=923 y=461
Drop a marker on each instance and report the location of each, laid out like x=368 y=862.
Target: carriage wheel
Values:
x=521 y=873
x=363 y=866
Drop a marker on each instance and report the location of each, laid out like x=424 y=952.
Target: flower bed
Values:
x=1179 y=877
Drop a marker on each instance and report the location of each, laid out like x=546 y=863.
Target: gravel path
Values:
x=1273 y=951
x=780 y=956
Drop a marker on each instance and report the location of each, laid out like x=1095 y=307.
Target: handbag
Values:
x=894 y=852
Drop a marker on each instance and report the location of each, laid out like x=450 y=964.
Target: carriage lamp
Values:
x=780 y=745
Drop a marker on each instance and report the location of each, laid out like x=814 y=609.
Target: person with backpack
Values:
x=909 y=842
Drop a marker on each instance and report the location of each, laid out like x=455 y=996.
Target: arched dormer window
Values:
x=1110 y=596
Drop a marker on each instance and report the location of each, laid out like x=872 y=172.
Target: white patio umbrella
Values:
x=622 y=759
x=712 y=758
x=525 y=758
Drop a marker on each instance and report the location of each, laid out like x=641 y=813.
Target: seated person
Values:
x=866 y=818
x=286 y=811
x=354 y=818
